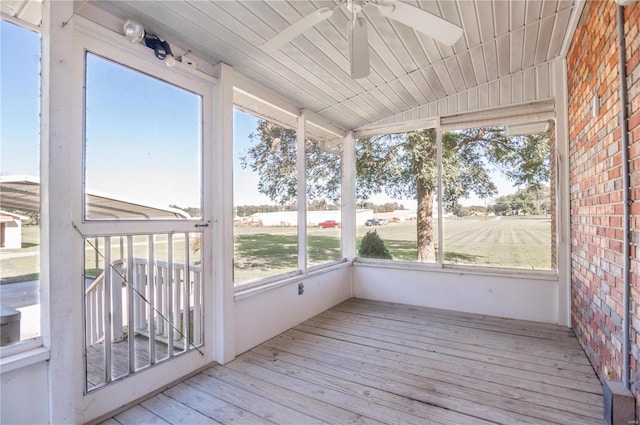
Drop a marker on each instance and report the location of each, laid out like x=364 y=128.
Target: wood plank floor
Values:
x=369 y=362
x=120 y=358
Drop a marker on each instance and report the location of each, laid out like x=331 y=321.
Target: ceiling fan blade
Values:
x=297 y=28
x=358 y=48
x=421 y=20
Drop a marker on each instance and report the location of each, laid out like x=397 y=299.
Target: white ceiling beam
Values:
x=264 y=95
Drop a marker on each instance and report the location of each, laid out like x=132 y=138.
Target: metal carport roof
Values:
x=23 y=193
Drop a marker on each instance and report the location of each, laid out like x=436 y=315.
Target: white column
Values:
x=440 y=223
x=222 y=204
x=302 y=192
x=348 y=198
x=563 y=213
x=61 y=255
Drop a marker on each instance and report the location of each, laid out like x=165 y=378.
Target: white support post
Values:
x=440 y=258
x=60 y=260
x=302 y=192
x=348 y=199
x=563 y=212
x=222 y=161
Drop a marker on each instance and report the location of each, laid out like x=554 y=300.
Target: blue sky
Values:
x=20 y=100
x=143 y=136
x=245 y=181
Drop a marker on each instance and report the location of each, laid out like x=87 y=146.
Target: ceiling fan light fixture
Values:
x=411 y=16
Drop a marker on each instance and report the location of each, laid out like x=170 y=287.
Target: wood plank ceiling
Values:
x=502 y=59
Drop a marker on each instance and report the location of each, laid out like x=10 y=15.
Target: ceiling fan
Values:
x=412 y=16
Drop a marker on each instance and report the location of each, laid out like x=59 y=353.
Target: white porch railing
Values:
x=156 y=299
x=140 y=311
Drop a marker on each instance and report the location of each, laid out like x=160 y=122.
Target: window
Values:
x=495 y=209
x=324 y=174
x=265 y=199
x=396 y=191
x=497 y=199
x=142 y=145
x=19 y=215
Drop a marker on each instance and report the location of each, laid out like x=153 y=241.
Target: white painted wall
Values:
x=25 y=395
x=266 y=314
x=517 y=297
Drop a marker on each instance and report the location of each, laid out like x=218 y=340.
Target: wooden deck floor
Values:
x=372 y=362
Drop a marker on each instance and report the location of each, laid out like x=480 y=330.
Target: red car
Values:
x=329 y=224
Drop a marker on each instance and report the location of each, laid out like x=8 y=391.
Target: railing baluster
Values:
x=151 y=284
x=176 y=301
x=89 y=327
x=162 y=281
x=187 y=283
x=197 y=310
x=139 y=315
x=170 y=310
x=116 y=300
x=106 y=285
x=131 y=336
x=99 y=314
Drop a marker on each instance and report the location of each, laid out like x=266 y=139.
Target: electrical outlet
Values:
x=300 y=288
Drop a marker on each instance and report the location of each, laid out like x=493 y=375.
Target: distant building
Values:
x=290 y=218
x=11 y=229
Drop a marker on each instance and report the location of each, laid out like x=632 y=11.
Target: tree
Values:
x=273 y=156
x=404 y=166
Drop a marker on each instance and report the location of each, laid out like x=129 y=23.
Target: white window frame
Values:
x=17 y=355
x=304 y=120
x=515 y=115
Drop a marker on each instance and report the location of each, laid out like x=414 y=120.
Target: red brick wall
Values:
x=632 y=30
x=596 y=183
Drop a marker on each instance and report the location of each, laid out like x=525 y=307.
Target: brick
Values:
x=595 y=161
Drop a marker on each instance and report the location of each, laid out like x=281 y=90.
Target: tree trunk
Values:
x=424 y=216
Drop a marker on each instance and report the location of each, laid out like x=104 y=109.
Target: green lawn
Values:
x=520 y=242
x=513 y=241
x=22 y=264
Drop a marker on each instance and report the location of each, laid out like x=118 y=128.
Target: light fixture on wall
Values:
x=135 y=33
x=595 y=106
x=161 y=49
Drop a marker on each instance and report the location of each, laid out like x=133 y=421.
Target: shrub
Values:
x=372 y=246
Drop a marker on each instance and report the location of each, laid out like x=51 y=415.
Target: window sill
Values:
x=258 y=288
x=22 y=354
x=545 y=275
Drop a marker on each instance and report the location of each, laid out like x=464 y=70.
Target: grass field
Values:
x=515 y=241
x=22 y=264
